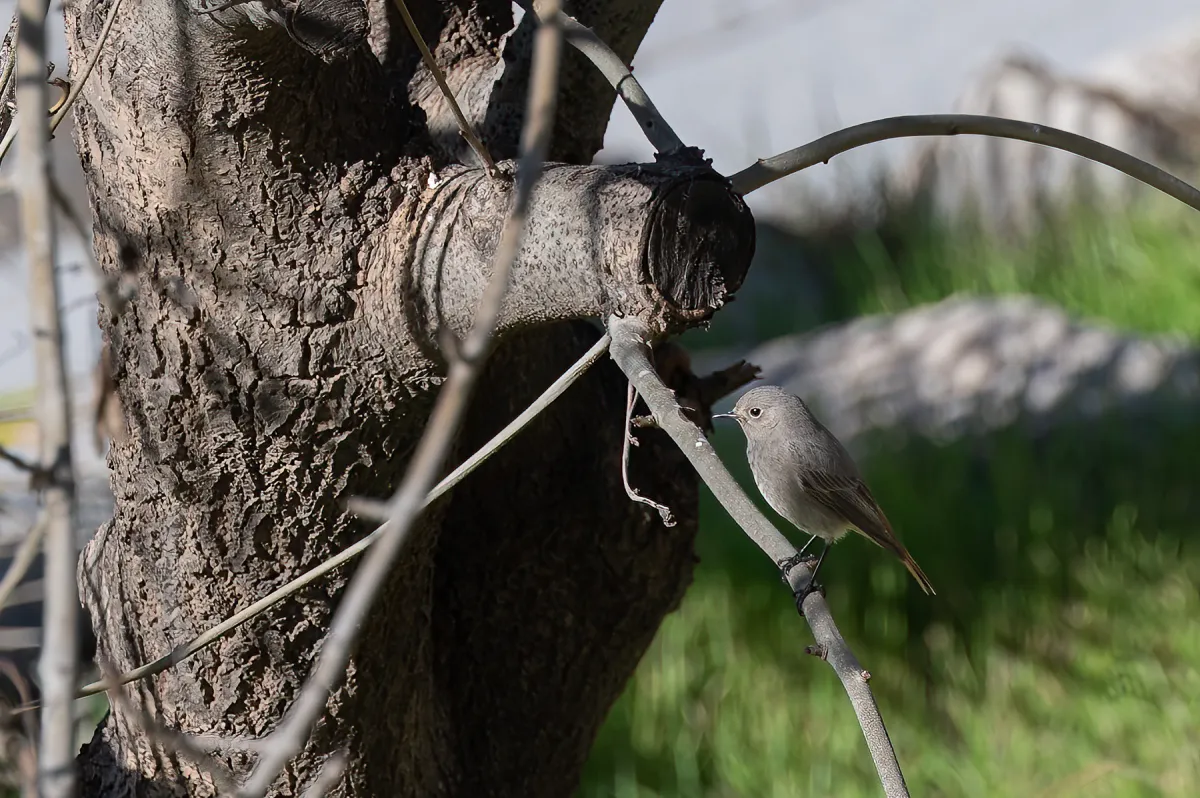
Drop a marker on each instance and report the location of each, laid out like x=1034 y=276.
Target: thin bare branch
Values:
x=630 y=349
x=58 y=660
x=769 y=170
x=82 y=78
x=464 y=125
x=664 y=511
x=293 y=732
x=63 y=107
x=17 y=461
x=22 y=559
x=618 y=74
x=376 y=510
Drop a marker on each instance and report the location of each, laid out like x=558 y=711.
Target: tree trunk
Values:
x=281 y=179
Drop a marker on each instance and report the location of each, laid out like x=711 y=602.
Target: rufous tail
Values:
x=916 y=571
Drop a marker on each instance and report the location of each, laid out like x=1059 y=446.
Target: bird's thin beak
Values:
x=724 y=415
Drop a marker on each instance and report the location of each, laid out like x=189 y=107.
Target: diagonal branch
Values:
x=293 y=732
x=18 y=566
x=464 y=125
x=17 y=461
x=631 y=351
x=769 y=170
x=629 y=89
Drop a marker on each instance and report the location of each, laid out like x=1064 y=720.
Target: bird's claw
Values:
x=804 y=592
x=786 y=566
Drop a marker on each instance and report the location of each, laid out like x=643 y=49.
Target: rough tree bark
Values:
x=281 y=178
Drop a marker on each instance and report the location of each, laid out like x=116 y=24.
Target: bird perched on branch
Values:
x=809 y=478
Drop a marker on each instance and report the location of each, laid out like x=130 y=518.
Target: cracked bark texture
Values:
x=281 y=180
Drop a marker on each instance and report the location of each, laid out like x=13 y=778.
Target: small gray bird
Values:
x=807 y=476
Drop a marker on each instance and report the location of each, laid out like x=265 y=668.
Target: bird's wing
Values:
x=849 y=498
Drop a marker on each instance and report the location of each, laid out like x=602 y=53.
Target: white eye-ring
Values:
x=755 y=412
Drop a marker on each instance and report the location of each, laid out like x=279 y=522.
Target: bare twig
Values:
x=82 y=78
x=378 y=510
x=585 y=40
x=17 y=461
x=464 y=125
x=64 y=106
x=630 y=349
x=58 y=659
x=629 y=440
x=769 y=170
x=293 y=732
x=22 y=559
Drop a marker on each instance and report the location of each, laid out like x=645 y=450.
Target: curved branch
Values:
x=630 y=349
x=629 y=89
x=769 y=170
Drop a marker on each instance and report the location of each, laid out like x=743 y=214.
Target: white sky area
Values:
x=749 y=79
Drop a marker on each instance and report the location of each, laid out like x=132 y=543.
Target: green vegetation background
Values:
x=1061 y=656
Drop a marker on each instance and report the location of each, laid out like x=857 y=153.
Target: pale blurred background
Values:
x=1006 y=337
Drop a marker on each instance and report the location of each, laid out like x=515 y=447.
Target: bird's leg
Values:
x=812 y=585
x=785 y=566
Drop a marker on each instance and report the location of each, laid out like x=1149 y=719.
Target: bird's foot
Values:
x=804 y=592
x=786 y=566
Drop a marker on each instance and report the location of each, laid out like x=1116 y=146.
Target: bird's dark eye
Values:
x=755 y=412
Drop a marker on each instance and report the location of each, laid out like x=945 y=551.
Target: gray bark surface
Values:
x=279 y=189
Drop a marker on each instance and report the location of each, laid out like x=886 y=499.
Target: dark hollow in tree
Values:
x=287 y=196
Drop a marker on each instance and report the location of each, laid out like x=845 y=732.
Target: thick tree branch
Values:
x=58 y=659
x=292 y=734
x=769 y=170
x=631 y=350
x=668 y=242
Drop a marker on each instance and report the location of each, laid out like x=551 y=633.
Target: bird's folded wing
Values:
x=850 y=499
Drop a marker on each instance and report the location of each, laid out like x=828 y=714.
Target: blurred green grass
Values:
x=1061 y=656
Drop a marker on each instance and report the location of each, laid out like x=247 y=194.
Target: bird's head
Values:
x=762 y=409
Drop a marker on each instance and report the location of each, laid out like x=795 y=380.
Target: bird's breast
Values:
x=787 y=497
